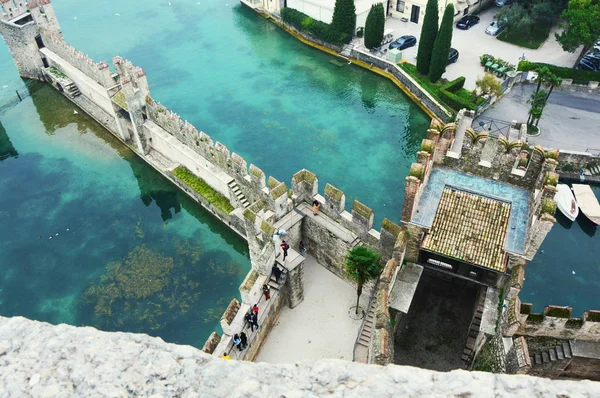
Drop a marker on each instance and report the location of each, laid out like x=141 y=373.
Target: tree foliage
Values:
x=374 y=26
x=441 y=48
x=520 y=18
x=488 y=84
x=344 y=17
x=428 y=34
x=583 y=25
x=361 y=265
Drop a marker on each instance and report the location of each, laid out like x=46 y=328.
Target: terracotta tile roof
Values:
x=469 y=228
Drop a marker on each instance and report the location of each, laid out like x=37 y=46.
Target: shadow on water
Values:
x=7 y=150
x=586 y=225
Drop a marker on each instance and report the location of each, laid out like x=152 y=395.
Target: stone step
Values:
x=538 y=359
x=559 y=353
x=545 y=357
x=232 y=184
x=465 y=357
x=246 y=204
x=552 y=354
x=467 y=351
x=567 y=350
x=532 y=360
x=236 y=190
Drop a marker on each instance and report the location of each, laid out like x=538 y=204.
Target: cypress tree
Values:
x=374 y=26
x=441 y=48
x=344 y=17
x=428 y=35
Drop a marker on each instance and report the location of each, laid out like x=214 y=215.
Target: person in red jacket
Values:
x=284 y=247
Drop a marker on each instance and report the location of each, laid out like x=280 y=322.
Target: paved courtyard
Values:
x=474 y=42
x=433 y=333
x=320 y=326
x=570 y=119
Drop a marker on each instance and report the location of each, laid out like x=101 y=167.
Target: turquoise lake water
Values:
x=280 y=104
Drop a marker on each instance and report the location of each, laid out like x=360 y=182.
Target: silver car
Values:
x=494 y=28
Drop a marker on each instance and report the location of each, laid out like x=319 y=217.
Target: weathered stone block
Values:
x=335 y=202
x=410 y=195
x=211 y=343
x=362 y=218
x=305 y=186
x=382 y=352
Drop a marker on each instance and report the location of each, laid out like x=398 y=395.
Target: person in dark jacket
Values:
x=244 y=339
x=237 y=341
x=276 y=272
x=248 y=318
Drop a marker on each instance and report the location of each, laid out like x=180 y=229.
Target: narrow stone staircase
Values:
x=594 y=170
x=347 y=51
x=361 y=349
x=72 y=90
x=558 y=353
x=467 y=356
x=235 y=188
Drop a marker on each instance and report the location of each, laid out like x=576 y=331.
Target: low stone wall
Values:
x=574 y=161
x=411 y=85
x=41 y=360
x=557 y=322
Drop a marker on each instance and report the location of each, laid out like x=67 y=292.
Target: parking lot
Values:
x=474 y=42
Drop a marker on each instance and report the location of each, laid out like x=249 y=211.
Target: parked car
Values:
x=589 y=64
x=502 y=3
x=452 y=56
x=467 y=22
x=403 y=42
x=495 y=28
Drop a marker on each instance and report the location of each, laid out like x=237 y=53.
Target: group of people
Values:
x=241 y=340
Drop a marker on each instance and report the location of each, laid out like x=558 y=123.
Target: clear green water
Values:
x=280 y=104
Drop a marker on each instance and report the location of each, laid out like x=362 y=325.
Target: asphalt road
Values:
x=571 y=120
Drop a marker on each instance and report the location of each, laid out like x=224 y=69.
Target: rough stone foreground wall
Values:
x=38 y=359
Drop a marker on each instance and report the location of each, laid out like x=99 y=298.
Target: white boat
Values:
x=588 y=201
x=565 y=201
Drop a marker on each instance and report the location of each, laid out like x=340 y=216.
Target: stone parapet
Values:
x=41 y=359
x=294 y=285
x=557 y=322
x=211 y=343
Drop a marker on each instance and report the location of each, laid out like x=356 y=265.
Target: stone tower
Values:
x=21 y=24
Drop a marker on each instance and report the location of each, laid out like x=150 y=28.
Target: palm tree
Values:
x=361 y=265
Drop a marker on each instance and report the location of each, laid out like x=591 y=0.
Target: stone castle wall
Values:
x=38 y=359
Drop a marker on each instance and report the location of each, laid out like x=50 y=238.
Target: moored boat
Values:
x=565 y=201
x=587 y=202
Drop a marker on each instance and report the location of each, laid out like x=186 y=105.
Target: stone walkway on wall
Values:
x=320 y=326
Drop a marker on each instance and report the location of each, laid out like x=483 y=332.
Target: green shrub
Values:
x=448 y=94
x=548 y=207
x=344 y=16
x=374 y=26
x=441 y=48
x=416 y=170
x=552 y=154
x=574 y=323
x=593 y=316
x=427 y=146
x=427 y=38
x=535 y=318
x=318 y=29
x=578 y=76
x=551 y=179
x=205 y=190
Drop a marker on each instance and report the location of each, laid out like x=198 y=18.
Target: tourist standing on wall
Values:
x=248 y=317
x=316 y=207
x=255 y=309
x=267 y=291
x=255 y=319
x=284 y=247
x=237 y=341
x=244 y=339
x=276 y=272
